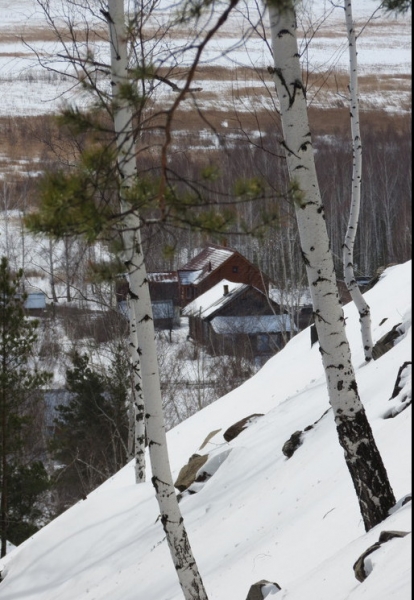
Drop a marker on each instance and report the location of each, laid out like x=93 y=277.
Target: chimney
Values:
x=225 y=290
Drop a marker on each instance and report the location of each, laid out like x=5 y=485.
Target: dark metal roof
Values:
x=206 y=261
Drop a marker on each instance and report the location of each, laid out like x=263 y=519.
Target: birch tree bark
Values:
x=364 y=462
x=349 y=242
x=171 y=518
x=136 y=439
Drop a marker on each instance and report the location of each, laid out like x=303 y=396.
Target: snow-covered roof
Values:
x=213 y=299
x=162 y=277
x=208 y=260
x=189 y=277
x=299 y=297
x=216 y=255
x=252 y=324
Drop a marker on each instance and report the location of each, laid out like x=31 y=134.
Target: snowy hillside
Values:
x=261 y=515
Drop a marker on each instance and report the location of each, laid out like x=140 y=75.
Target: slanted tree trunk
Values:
x=52 y=272
x=362 y=457
x=348 y=246
x=171 y=518
x=137 y=424
x=4 y=491
x=67 y=269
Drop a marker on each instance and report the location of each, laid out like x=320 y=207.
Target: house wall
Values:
x=237 y=270
x=164 y=290
x=249 y=346
x=250 y=302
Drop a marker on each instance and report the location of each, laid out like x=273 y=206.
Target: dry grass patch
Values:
x=31 y=35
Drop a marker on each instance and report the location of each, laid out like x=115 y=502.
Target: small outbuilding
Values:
x=238 y=319
x=35 y=300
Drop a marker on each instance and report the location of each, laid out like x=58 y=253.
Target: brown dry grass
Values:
x=32 y=139
x=40 y=34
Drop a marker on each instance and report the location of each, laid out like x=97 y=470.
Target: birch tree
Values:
x=364 y=462
x=349 y=242
x=171 y=518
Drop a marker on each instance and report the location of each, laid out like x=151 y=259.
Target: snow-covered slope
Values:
x=261 y=515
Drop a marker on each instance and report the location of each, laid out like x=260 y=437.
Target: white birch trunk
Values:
x=137 y=430
x=171 y=518
x=52 y=272
x=348 y=246
x=364 y=462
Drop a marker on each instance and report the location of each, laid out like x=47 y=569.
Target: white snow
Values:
x=260 y=516
x=384 y=47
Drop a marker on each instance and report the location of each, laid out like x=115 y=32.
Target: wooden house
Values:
x=164 y=299
x=237 y=319
x=163 y=289
x=212 y=265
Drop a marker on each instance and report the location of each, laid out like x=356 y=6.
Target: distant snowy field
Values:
x=384 y=48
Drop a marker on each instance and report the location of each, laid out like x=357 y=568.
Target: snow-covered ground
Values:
x=261 y=515
x=384 y=48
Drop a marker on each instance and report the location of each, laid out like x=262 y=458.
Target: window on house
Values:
x=263 y=343
x=235 y=269
x=188 y=292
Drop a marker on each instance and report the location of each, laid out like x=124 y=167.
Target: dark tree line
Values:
x=385 y=230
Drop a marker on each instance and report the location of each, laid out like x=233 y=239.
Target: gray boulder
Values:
x=233 y=431
x=385 y=536
x=188 y=473
x=261 y=589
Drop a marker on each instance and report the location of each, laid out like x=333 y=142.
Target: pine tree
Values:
x=91 y=432
x=19 y=378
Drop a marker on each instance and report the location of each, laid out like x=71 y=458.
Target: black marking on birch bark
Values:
x=153 y=443
x=106 y=15
x=353 y=386
x=291 y=97
x=285 y=146
x=133 y=296
x=318 y=315
x=319 y=280
x=283 y=32
x=145 y=318
x=298 y=85
x=156 y=481
x=340 y=367
x=305 y=259
x=365 y=465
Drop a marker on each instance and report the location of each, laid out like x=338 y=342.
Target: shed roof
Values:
x=213 y=299
x=162 y=277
